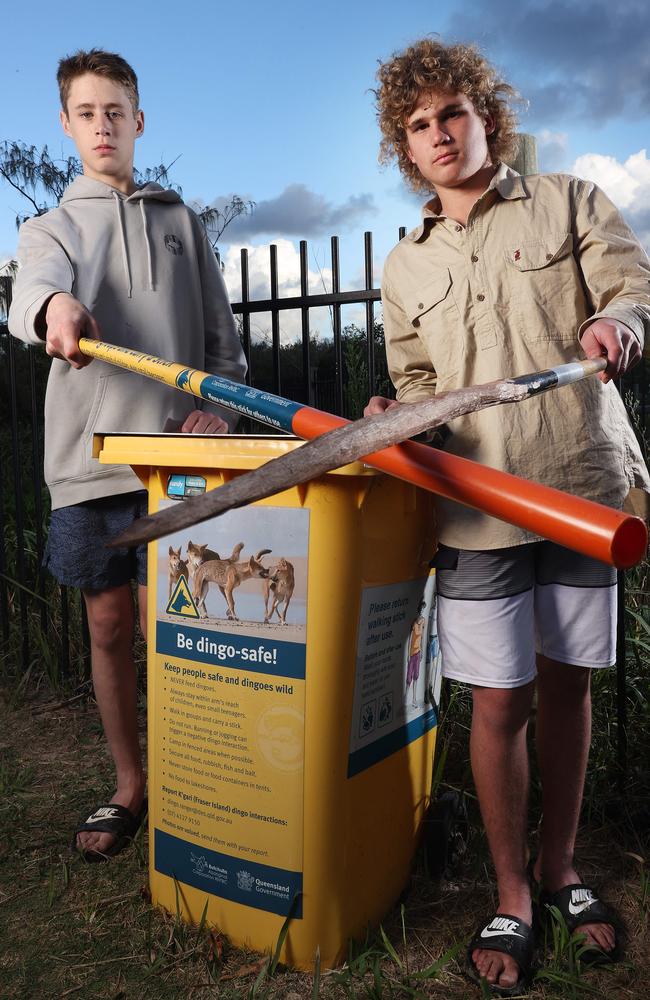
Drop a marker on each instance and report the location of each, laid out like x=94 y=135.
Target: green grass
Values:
x=71 y=929
x=89 y=931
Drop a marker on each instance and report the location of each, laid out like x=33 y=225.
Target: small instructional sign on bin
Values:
x=230 y=659
x=397 y=680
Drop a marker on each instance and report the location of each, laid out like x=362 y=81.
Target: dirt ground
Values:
x=72 y=929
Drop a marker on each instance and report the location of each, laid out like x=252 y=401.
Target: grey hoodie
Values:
x=145 y=270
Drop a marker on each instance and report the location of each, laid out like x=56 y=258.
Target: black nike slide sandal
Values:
x=511 y=936
x=578 y=904
x=114 y=819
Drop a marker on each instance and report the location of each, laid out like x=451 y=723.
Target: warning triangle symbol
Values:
x=181 y=601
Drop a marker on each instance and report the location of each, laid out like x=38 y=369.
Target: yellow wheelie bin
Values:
x=293 y=683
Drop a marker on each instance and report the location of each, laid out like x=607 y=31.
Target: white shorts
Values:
x=498 y=608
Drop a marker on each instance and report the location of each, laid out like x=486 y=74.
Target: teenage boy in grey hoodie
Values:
x=133 y=266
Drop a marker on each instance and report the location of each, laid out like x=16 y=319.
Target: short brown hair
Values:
x=429 y=65
x=107 y=64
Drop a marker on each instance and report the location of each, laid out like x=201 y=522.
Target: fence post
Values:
x=524 y=159
x=5 y=294
x=17 y=473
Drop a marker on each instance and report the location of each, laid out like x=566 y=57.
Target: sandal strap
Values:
x=510 y=935
x=578 y=904
x=111 y=818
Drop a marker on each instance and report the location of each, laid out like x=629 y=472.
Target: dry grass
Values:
x=88 y=931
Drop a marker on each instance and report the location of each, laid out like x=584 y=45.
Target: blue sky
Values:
x=273 y=102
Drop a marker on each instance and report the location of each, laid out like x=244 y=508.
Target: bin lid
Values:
x=206 y=451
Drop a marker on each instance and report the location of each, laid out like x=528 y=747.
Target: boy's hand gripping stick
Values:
x=593 y=529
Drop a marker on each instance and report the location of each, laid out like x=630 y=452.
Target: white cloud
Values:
x=259 y=287
x=624 y=183
x=627 y=184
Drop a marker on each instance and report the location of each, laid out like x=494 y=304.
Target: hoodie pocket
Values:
x=117 y=406
x=90 y=463
x=80 y=404
x=126 y=401
x=72 y=401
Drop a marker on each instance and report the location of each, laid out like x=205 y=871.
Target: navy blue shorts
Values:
x=76 y=553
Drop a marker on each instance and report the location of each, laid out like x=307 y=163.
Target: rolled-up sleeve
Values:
x=613 y=263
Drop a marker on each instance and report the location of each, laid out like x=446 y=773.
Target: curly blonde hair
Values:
x=429 y=65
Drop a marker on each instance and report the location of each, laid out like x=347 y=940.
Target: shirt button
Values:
x=420 y=305
x=549 y=256
x=481 y=297
x=458 y=228
x=474 y=258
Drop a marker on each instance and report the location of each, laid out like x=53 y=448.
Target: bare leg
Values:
x=563 y=738
x=111 y=622
x=500 y=768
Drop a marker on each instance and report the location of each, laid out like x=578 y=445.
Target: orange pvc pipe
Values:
x=590 y=528
x=597 y=531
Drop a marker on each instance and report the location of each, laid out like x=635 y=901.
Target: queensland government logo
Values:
x=245 y=881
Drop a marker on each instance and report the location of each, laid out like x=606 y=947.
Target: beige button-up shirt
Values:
x=507 y=295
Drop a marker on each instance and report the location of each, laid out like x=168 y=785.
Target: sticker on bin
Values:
x=259 y=886
x=229 y=683
x=180 y=486
x=181 y=602
x=398 y=671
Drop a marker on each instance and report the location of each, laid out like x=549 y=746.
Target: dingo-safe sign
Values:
x=230 y=663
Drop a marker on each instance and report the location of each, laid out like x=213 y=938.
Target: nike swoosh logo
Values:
x=97 y=819
x=575 y=910
x=488 y=933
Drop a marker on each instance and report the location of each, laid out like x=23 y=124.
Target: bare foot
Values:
x=497 y=967
x=131 y=798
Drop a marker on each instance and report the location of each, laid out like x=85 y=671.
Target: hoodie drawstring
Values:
x=148 y=246
x=125 y=253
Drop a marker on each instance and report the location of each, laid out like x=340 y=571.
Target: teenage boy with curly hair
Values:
x=133 y=264
x=508 y=275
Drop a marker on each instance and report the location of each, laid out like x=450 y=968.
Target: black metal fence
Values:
x=42 y=622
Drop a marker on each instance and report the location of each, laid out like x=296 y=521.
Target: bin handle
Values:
x=591 y=528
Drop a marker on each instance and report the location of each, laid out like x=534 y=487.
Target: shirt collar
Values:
x=506 y=181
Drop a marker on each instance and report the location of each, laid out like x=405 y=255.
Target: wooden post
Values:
x=524 y=158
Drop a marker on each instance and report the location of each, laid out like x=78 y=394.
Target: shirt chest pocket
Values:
x=545 y=287
x=432 y=311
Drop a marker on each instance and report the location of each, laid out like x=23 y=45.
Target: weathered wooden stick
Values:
x=328 y=451
x=588 y=527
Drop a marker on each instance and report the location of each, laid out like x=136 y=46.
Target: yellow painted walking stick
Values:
x=593 y=529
